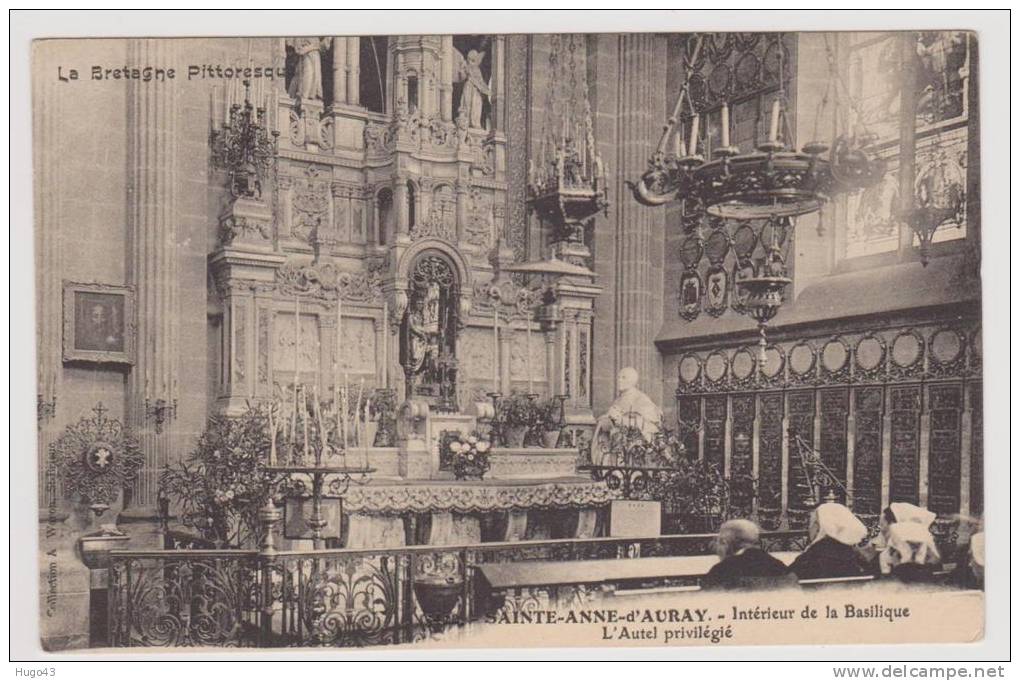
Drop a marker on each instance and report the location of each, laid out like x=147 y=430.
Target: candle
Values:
x=693 y=151
x=385 y=344
x=679 y=148
x=304 y=421
x=774 y=123
x=725 y=124
x=495 y=348
x=527 y=354
x=272 y=437
x=343 y=408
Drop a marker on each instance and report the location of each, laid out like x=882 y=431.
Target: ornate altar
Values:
x=368 y=263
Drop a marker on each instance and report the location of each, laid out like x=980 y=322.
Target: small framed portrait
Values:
x=98 y=323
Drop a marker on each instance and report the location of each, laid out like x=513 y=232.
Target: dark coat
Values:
x=826 y=559
x=752 y=569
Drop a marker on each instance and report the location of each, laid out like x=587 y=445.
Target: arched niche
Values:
x=430 y=322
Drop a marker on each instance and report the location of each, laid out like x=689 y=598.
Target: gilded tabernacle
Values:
x=437 y=340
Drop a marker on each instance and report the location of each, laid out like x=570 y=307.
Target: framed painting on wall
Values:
x=97 y=326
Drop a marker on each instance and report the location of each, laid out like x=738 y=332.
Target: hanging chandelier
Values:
x=775 y=182
x=246 y=145
x=566 y=178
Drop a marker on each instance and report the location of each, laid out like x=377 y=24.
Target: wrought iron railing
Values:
x=341 y=597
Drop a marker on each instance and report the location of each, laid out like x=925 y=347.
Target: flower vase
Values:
x=515 y=436
x=550 y=438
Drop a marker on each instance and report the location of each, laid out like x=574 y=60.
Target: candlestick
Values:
x=679 y=148
x=693 y=146
x=724 y=124
x=774 y=123
x=357 y=406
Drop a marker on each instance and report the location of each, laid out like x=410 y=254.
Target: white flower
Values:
x=482 y=446
x=472 y=439
x=470 y=457
x=454 y=447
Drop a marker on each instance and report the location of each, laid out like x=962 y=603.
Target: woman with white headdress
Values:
x=834 y=532
x=910 y=554
x=896 y=512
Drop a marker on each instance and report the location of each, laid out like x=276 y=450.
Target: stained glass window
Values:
x=873 y=72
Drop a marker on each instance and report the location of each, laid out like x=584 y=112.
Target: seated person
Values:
x=834 y=532
x=911 y=555
x=742 y=564
x=896 y=512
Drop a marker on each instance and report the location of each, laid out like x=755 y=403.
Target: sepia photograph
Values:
x=469 y=340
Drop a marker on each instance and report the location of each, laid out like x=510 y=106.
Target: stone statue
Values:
x=307 y=80
x=631 y=408
x=476 y=90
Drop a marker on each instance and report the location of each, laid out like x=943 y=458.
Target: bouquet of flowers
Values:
x=470 y=456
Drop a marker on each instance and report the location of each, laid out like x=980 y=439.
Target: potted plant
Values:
x=470 y=456
x=549 y=423
x=221 y=485
x=517 y=413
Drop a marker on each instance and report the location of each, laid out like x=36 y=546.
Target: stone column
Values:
x=446 y=78
x=340 y=69
x=640 y=112
x=152 y=138
x=497 y=82
x=353 y=71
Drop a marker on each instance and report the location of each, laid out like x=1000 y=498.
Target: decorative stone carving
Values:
x=379 y=138
x=309 y=203
x=442 y=218
x=324 y=280
x=306 y=84
x=234 y=227
x=476 y=90
x=479 y=228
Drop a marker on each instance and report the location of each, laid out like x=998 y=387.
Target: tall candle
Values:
x=385 y=344
x=343 y=408
x=693 y=150
x=679 y=148
x=774 y=123
x=272 y=437
x=527 y=353
x=297 y=316
x=725 y=124
x=495 y=348
x=304 y=420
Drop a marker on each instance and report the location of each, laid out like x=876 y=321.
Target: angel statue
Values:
x=476 y=90
x=307 y=80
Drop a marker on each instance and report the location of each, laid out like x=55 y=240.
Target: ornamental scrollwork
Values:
x=97 y=457
x=326 y=281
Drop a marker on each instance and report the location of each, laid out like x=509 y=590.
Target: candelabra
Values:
x=309 y=446
x=245 y=146
x=496 y=435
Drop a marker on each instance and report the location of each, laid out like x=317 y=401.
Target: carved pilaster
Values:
x=152 y=123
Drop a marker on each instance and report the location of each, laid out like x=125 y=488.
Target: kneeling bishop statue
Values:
x=631 y=408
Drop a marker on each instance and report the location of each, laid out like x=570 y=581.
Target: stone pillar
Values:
x=353 y=71
x=152 y=139
x=497 y=82
x=340 y=69
x=446 y=78
x=640 y=112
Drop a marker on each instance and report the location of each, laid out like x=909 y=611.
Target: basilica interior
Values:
x=339 y=301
